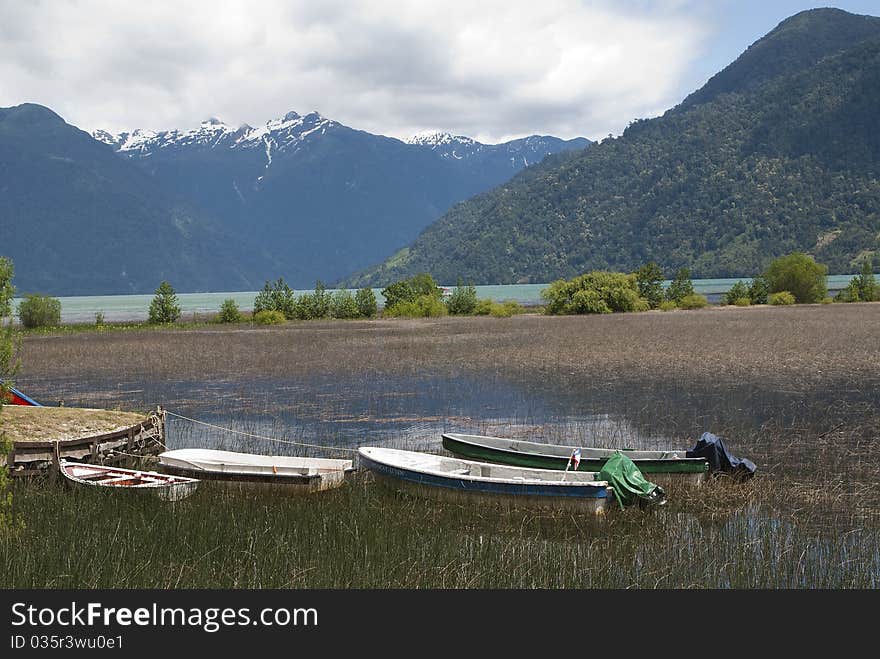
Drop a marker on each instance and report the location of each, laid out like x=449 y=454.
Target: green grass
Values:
x=362 y=536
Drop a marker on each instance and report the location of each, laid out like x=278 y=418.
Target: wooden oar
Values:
x=567 y=465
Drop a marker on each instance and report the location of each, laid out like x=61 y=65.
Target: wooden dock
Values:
x=117 y=448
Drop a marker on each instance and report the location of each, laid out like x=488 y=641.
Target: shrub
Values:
x=410 y=289
x=8 y=338
x=39 y=311
x=366 y=303
x=594 y=292
x=483 y=307
x=798 y=274
x=320 y=301
x=504 y=309
x=848 y=294
x=742 y=302
x=758 y=290
x=343 y=305
x=269 y=317
x=649 y=280
x=164 y=308
x=424 y=306
x=312 y=306
x=463 y=300
x=863 y=287
x=277 y=296
x=681 y=286
x=229 y=312
x=693 y=301
x=668 y=305
x=7 y=290
x=8 y=369
x=738 y=291
x=781 y=298
x=99 y=318
x=513 y=306
x=827 y=300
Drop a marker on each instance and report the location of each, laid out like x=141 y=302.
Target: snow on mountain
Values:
x=105 y=137
x=436 y=138
x=447 y=144
x=290 y=132
x=276 y=135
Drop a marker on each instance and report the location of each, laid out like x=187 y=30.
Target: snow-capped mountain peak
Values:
x=137 y=140
x=437 y=138
x=104 y=136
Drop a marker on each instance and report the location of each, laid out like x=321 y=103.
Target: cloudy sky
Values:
x=491 y=69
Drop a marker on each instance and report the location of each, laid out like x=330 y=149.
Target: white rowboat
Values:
x=437 y=476
x=170 y=488
x=270 y=472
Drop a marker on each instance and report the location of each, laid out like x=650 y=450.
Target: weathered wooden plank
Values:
x=36 y=458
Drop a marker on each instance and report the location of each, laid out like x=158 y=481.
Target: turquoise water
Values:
x=124 y=308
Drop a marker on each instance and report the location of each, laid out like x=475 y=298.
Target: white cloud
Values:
x=490 y=69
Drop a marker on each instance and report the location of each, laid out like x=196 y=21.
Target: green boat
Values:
x=662 y=467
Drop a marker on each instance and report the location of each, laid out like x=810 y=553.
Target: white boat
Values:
x=271 y=472
x=170 y=488
x=438 y=476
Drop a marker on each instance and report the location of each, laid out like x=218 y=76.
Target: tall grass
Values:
x=362 y=536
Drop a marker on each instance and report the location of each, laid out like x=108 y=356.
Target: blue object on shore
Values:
x=15 y=397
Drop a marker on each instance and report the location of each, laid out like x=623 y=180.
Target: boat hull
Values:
x=114 y=479
x=662 y=471
x=251 y=472
x=528 y=495
x=259 y=483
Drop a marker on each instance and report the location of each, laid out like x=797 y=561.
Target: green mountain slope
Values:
x=76 y=218
x=778 y=152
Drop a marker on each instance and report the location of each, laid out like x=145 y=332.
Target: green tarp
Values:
x=630 y=486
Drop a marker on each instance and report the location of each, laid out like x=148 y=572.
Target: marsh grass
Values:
x=362 y=536
x=795 y=389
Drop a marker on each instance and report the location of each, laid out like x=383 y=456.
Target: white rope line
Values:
x=270 y=439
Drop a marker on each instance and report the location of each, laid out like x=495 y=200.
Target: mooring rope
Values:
x=270 y=439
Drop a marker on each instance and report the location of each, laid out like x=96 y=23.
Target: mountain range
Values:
x=226 y=208
x=778 y=152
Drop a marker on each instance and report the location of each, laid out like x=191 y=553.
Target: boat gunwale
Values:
x=456 y=437
x=241 y=472
x=65 y=466
x=486 y=479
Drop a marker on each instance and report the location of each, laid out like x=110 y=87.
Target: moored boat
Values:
x=250 y=470
x=468 y=481
x=16 y=397
x=170 y=488
x=661 y=467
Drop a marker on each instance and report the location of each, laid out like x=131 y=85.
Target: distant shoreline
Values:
x=133 y=308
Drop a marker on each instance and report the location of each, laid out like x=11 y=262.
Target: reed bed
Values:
x=797 y=390
x=364 y=537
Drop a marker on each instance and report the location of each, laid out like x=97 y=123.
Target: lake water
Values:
x=125 y=308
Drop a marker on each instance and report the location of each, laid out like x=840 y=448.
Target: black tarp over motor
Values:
x=720 y=460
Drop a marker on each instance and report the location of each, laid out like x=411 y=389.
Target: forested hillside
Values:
x=778 y=152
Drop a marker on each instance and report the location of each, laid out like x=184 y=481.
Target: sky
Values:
x=489 y=69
